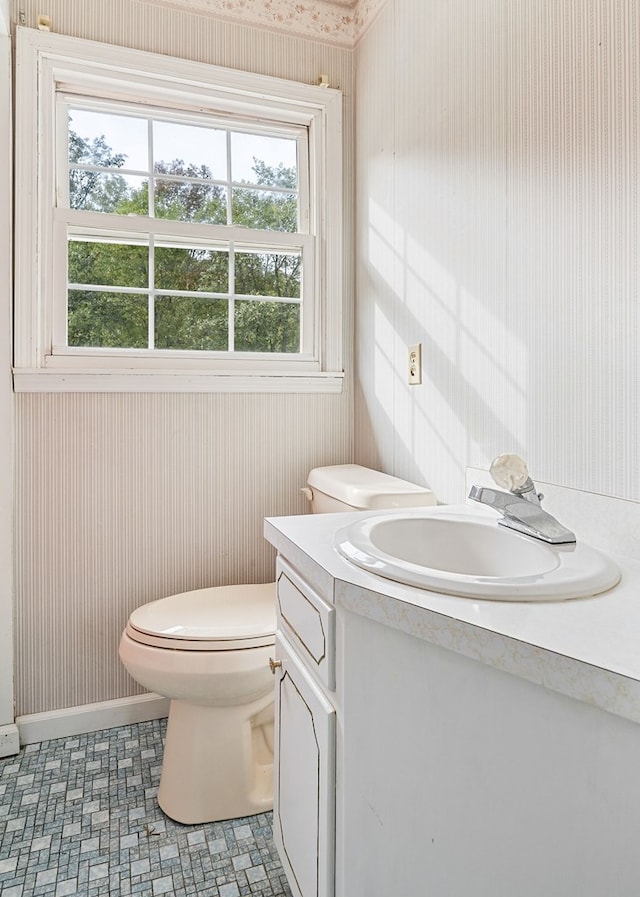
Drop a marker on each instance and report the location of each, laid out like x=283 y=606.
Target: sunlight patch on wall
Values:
x=384 y=371
x=384 y=234
x=431 y=296
x=475 y=370
x=496 y=362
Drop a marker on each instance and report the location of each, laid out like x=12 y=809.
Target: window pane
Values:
x=185 y=200
x=111 y=320
x=115 y=193
x=108 y=140
x=268 y=274
x=263 y=160
x=202 y=152
x=266 y=326
x=191 y=269
x=108 y=264
x=265 y=209
x=184 y=323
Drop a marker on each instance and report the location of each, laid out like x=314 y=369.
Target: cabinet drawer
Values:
x=308 y=621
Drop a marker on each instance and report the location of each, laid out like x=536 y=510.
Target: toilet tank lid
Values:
x=366 y=489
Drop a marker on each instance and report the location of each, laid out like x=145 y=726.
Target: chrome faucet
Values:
x=521 y=506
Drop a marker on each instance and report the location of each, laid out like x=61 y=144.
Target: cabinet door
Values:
x=304 y=778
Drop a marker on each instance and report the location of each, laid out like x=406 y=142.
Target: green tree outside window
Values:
x=119 y=319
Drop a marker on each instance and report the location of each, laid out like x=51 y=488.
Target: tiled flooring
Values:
x=78 y=816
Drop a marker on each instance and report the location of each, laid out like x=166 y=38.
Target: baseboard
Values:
x=36 y=727
x=9 y=740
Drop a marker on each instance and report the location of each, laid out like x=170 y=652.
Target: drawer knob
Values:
x=274 y=665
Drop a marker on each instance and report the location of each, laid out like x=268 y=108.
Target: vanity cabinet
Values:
x=430 y=745
x=305 y=736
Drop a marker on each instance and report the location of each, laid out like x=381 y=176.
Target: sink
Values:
x=461 y=553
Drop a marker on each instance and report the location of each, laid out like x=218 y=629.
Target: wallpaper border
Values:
x=316 y=19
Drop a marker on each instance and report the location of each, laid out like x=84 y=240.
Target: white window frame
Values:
x=49 y=63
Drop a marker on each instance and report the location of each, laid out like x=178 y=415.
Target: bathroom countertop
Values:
x=585 y=648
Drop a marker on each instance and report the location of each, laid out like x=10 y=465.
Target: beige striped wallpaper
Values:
x=498 y=164
x=498 y=203
x=121 y=499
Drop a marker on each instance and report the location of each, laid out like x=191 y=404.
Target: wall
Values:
x=497 y=194
x=126 y=498
x=8 y=731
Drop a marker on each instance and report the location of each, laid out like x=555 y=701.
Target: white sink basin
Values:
x=459 y=553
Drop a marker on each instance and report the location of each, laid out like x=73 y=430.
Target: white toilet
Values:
x=208 y=651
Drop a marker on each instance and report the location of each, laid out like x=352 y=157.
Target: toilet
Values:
x=208 y=652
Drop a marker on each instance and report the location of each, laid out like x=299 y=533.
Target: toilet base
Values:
x=218 y=761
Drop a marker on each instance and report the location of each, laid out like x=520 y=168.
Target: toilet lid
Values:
x=222 y=618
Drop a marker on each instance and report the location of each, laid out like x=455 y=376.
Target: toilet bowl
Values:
x=208 y=651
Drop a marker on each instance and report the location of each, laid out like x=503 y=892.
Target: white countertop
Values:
x=586 y=648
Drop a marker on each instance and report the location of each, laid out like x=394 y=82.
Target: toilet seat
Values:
x=221 y=618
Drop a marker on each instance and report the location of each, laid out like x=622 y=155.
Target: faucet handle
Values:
x=510 y=472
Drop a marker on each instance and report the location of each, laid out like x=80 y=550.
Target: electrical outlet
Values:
x=415 y=364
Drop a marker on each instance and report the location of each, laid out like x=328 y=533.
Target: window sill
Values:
x=48 y=380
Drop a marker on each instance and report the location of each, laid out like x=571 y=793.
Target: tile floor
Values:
x=78 y=816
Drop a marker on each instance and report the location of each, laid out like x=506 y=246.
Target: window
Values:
x=240 y=284
x=185 y=231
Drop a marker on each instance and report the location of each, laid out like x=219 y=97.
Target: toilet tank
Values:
x=350 y=487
